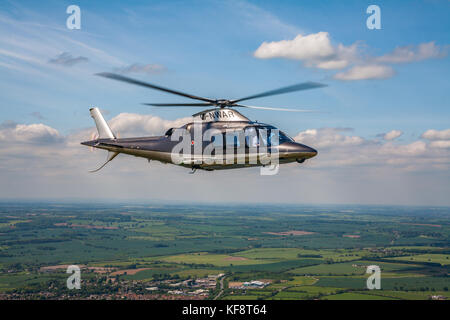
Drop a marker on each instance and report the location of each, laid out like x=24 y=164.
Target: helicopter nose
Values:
x=305 y=151
x=297 y=151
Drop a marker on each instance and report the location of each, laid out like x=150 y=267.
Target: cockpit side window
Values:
x=169 y=132
x=266 y=135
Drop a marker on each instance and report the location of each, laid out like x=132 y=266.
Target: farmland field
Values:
x=179 y=251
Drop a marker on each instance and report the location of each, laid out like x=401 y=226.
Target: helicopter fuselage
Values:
x=225 y=149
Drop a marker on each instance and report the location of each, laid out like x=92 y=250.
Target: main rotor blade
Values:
x=295 y=87
x=179 y=104
x=149 y=85
x=276 y=109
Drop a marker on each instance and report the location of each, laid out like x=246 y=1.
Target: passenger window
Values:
x=273 y=139
x=217 y=140
x=251 y=137
x=263 y=133
x=232 y=139
x=269 y=136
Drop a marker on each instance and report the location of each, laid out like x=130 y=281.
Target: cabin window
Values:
x=251 y=137
x=217 y=140
x=264 y=134
x=272 y=138
x=232 y=139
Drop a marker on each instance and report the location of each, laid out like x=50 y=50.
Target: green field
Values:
x=443 y=259
x=219 y=260
x=134 y=248
x=355 y=296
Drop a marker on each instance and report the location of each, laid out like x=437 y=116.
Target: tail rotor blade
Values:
x=94 y=136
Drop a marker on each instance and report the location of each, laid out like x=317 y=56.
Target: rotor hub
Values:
x=223 y=103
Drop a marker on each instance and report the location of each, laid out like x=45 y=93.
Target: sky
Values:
x=382 y=131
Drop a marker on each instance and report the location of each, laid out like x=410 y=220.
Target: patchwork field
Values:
x=443 y=259
x=189 y=251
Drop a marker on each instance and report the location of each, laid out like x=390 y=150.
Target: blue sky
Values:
x=208 y=48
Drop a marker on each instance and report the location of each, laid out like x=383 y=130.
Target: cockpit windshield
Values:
x=267 y=136
x=285 y=138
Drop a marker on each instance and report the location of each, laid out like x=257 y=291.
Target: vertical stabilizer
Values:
x=104 y=131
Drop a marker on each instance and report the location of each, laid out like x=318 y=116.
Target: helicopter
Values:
x=218 y=138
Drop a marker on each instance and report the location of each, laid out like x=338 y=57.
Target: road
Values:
x=221 y=288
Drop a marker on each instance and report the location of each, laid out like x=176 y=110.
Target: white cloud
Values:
x=436 y=134
x=366 y=72
x=315 y=49
x=312 y=46
x=443 y=144
x=412 y=149
x=339 y=147
x=411 y=53
x=392 y=135
x=331 y=64
x=38 y=132
x=132 y=124
x=328 y=137
x=67 y=60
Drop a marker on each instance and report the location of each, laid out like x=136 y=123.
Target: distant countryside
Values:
x=186 y=251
